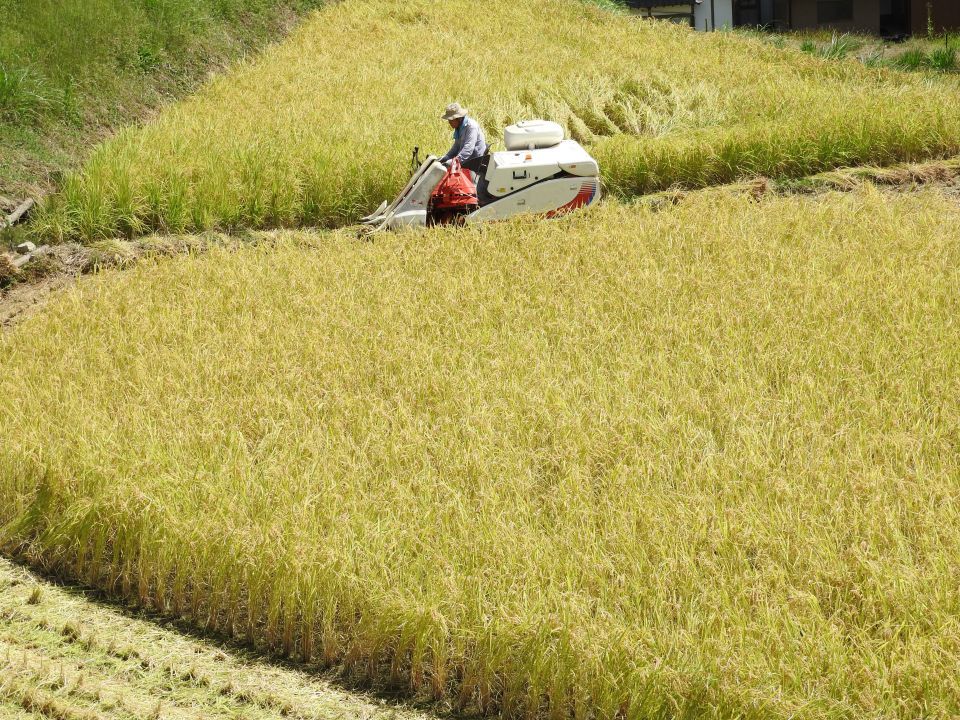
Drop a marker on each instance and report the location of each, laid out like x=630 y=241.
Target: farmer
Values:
x=469 y=144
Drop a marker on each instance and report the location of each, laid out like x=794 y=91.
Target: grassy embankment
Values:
x=695 y=462
x=74 y=71
x=917 y=54
x=320 y=129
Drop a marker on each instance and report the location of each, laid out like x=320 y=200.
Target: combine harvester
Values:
x=540 y=172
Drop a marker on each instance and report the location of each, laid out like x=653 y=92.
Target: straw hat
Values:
x=453 y=112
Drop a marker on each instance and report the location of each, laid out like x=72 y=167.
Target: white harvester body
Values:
x=539 y=173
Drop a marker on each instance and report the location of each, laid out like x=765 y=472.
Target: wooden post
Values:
x=24 y=259
x=19 y=212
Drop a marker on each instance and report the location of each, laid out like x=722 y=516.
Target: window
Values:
x=831 y=11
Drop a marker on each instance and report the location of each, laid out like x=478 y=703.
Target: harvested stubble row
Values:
x=319 y=129
x=694 y=462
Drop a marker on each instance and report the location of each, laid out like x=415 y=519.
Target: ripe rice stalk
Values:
x=630 y=463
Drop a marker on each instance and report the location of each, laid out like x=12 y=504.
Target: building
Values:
x=702 y=15
x=883 y=17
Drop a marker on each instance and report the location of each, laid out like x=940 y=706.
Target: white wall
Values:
x=722 y=13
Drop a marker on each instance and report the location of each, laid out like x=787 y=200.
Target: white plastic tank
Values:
x=532 y=135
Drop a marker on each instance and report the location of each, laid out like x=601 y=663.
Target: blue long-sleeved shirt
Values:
x=468 y=142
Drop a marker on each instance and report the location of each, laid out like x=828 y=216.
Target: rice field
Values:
x=695 y=462
x=320 y=129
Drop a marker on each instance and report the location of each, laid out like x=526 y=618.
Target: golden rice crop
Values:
x=320 y=129
x=695 y=462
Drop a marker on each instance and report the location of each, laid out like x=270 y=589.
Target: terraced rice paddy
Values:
x=319 y=130
x=695 y=462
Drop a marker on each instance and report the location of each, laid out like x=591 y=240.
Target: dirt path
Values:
x=23 y=292
x=23 y=300
x=27 y=291
x=64 y=655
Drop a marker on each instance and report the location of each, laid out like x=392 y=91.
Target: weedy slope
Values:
x=699 y=461
x=72 y=71
x=320 y=128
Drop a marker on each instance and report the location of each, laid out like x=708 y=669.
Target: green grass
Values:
x=917 y=54
x=698 y=462
x=319 y=130
x=838 y=47
x=943 y=59
x=913 y=59
x=76 y=40
x=24 y=96
x=73 y=70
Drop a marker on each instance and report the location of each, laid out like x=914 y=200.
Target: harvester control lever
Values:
x=415 y=160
